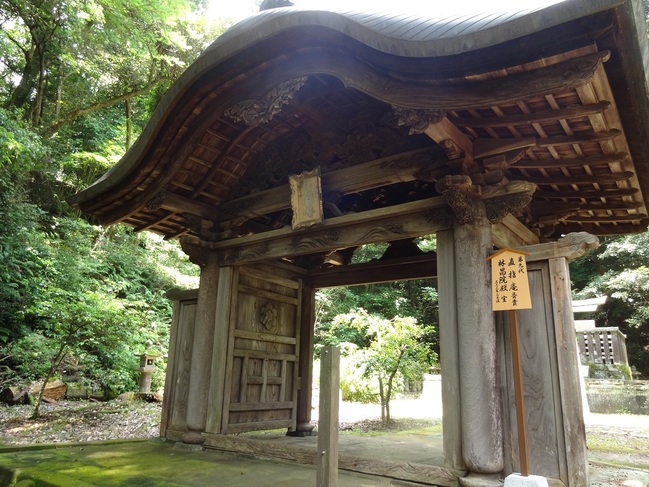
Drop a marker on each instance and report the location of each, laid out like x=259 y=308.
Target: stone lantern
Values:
x=146 y=368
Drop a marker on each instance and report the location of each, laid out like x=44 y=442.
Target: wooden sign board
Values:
x=510 y=287
x=306 y=199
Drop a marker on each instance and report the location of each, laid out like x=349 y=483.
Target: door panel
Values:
x=263 y=353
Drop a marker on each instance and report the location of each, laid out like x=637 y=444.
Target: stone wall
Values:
x=614 y=396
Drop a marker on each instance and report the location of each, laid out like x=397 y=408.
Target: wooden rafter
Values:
x=598 y=160
x=588 y=194
x=532 y=118
x=584 y=179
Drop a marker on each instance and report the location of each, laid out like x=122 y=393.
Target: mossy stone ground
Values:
x=152 y=463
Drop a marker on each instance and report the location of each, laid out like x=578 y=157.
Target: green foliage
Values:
x=32 y=356
x=392 y=354
x=620 y=269
x=609 y=371
x=355 y=383
x=372 y=323
x=74 y=295
x=405 y=298
x=58 y=271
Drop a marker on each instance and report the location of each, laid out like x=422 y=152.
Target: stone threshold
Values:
x=278 y=448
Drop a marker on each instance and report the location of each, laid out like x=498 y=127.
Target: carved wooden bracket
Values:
x=498 y=208
x=417 y=120
x=256 y=112
x=456 y=191
x=156 y=202
x=572 y=246
x=197 y=255
x=500 y=200
x=577 y=243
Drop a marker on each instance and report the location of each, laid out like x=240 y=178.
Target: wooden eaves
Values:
x=389 y=107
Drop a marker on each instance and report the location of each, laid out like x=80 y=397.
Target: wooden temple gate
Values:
x=299 y=136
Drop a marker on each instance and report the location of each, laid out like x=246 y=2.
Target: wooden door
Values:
x=555 y=427
x=263 y=352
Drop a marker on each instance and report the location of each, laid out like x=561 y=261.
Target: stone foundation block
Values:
x=517 y=480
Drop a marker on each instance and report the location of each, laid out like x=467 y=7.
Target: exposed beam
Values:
x=531 y=118
x=578 y=138
x=417 y=267
x=583 y=179
x=572 y=162
x=550 y=208
x=406 y=166
x=606 y=219
x=483 y=147
x=605 y=229
x=633 y=205
x=456 y=96
x=511 y=233
x=407 y=220
x=602 y=193
x=180 y=204
x=445 y=130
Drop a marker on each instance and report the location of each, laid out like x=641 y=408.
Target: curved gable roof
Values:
x=278 y=45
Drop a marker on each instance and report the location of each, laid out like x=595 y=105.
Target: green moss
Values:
x=616 y=444
x=609 y=371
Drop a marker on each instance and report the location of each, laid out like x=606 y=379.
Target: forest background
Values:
x=78 y=81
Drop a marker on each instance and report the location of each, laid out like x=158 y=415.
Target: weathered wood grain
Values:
x=201 y=362
x=413 y=472
x=327 y=454
x=174 y=405
x=531 y=118
x=449 y=351
x=218 y=390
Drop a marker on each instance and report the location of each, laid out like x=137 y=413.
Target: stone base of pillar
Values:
x=481 y=480
x=302 y=430
x=517 y=480
x=187 y=447
x=193 y=437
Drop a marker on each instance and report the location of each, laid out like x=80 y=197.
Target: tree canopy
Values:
x=78 y=81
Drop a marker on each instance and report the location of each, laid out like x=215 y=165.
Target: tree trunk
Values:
x=55 y=363
x=15 y=395
x=382 y=396
x=129 y=128
x=20 y=95
x=37 y=107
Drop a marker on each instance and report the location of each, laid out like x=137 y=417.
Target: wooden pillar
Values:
x=482 y=446
x=327 y=459
x=201 y=361
x=466 y=293
x=225 y=297
x=305 y=365
x=449 y=353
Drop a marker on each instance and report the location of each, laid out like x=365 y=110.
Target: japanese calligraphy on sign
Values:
x=510 y=287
